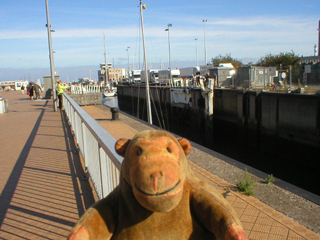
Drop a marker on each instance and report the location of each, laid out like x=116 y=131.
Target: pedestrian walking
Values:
x=37 y=90
x=30 y=90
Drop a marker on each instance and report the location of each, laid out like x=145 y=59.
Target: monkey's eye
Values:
x=139 y=151
x=169 y=150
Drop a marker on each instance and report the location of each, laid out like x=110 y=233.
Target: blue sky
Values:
x=244 y=29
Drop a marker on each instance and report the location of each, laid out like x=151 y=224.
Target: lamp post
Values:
x=319 y=39
x=168 y=30
x=106 y=73
x=53 y=82
x=145 y=65
x=128 y=64
x=204 y=40
x=195 y=40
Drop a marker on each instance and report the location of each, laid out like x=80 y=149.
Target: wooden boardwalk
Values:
x=43 y=195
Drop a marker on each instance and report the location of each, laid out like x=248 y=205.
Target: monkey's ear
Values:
x=185 y=144
x=121 y=146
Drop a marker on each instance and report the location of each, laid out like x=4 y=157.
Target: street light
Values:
x=205 y=48
x=195 y=40
x=145 y=65
x=53 y=82
x=128 y=64
x=106 y=72
x=319 y=40
x=169 y=25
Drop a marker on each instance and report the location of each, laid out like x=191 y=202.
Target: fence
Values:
x=80 y=89
x=96 y=146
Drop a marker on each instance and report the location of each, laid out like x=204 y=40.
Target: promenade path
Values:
x=42 y=194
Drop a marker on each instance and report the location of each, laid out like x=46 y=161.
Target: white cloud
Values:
x=242 y=37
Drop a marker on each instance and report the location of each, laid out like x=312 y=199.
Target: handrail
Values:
x=81 y=89
x=96 y=146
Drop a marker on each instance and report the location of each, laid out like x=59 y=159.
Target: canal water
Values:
x=291 y=162
x=110 y=102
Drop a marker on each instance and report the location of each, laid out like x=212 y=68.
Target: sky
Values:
x=248 y=30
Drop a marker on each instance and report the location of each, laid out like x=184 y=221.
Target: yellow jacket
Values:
x=60 y=89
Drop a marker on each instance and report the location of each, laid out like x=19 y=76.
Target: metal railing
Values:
x=96 y=146
x=83 y=89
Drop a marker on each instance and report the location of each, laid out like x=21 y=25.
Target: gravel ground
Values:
x=298 y=208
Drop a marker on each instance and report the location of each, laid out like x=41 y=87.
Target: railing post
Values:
x=101 y=173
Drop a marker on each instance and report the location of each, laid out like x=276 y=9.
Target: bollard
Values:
x=115 y=113
x=3 y=105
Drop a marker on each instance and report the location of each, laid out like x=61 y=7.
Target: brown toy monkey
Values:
x=158 y=197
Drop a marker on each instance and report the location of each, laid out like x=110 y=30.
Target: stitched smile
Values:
x=156 y=194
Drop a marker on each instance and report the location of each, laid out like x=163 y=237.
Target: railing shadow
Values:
x=33 y=201
x=11 y=185
x=77 y=170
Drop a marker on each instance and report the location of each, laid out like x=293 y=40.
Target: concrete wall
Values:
x=173 y=117
x=250 y=109
x=295 y=117
x=292 y=116
x=87 y=99
x=228 y=105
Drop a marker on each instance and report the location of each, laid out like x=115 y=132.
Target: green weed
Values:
x=246 y=184
x=269 y=179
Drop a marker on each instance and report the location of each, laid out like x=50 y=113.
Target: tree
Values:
x=283 y=61
x=226 y=59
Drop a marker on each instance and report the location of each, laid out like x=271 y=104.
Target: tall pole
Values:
x=106 y=76
x=53 y=82
x=319 y=39
x=195 y=40
x=128 y=64
x=168 y=30
x=290 y=77
x=204 y=41
x=145 y=65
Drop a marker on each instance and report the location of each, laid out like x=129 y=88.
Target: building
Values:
x=47 y=85
x=102 y=72
x=16 y=84
x=255 y=76
x=114 y=74
x=225 y=73
x=117 y=74
x=309 y=60
x=189 y=72
x=311 y=74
